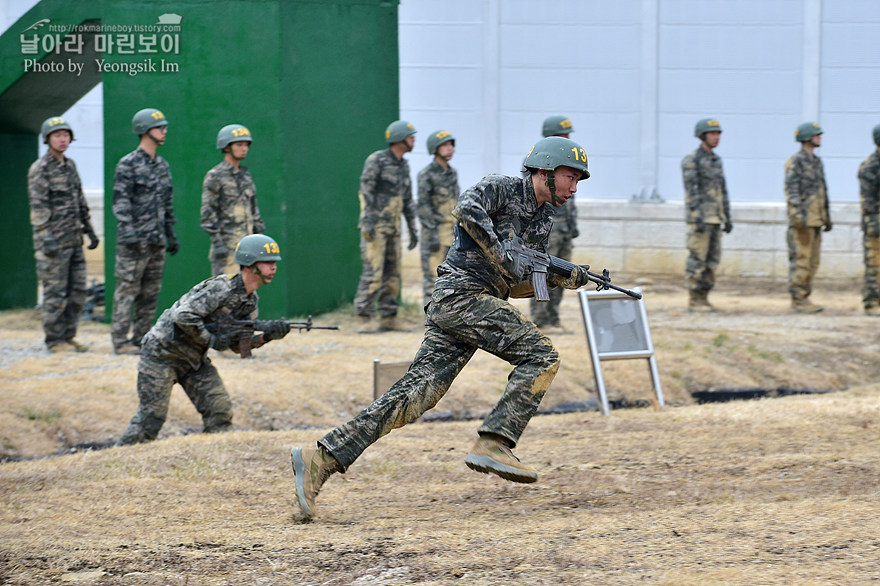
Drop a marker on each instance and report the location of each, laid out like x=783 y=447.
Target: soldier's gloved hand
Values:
x=220 y=341
x=700 y=225
x=275 y=330
x=413 y=239
x=728 y=227
x=513 y=266
x=259 y=227
x=827 y=227
x=578 y=278
x=173 y=246
x=50 y=246
x=93 y=240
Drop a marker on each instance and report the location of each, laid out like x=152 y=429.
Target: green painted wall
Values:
x=17 y=257
x=315 y=82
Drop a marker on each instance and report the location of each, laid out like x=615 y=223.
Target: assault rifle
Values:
x=243 y=330
x=541 y=264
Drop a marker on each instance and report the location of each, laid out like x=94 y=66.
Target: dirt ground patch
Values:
x=773 y=491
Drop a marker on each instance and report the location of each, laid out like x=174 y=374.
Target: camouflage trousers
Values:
x=803 y=260
x=430 y=262
x=871 y=288
x=380 y=277
x=156 y=378
x=456 y=326
x=704 y=255
x=138 y=274
x=224 y=264
x=546 y=313
x=63 y=277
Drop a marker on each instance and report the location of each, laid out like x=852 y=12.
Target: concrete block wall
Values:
x=649 y=239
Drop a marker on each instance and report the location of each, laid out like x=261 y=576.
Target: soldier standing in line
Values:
x=385 y=192
x=142 y=205
x=175 y=350
x=438 y=192
x=869 y=194
x=469 y=310
x=561 y=245
x=807 y=197
x=59 y=217
x=229 y=200
x=707 y=210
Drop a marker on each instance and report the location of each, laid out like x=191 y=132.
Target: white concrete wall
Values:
x=649 y=239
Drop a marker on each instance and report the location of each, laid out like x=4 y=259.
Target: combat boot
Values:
x=127 y=348
x=311 y=468
x=77 y=347
x=388 y=323
x=697 y=302
x=365 y=324
x=805 y=306
x=492 y=454
x=872 y=310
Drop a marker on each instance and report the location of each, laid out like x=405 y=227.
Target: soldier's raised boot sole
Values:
x=303 y=480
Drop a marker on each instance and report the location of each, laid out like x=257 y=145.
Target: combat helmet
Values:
x=437 y=138
x=52 y=124
x=256 y=248
x=233 y=133
x=705 y=125
x=556 y=125
x=556 y=151
x=806 y=131
x=146 y=119
x=876 y=133
x=398 y=130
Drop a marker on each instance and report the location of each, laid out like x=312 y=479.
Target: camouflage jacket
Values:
x=705 y=191
x=805 y=191
x=869 y=184
x=491 y=211
x=180 y=334
x=59 y=210
x=142 y=199
x=438 y=192
x=229 y=203
x=385 y=192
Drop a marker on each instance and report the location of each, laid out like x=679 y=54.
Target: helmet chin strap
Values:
x=153 y=138
x=551 y=183
x=257 y=272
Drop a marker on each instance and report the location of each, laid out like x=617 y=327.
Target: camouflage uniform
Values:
x=59 y=216
x=807 y=199
x=145 y=217
x=385 y=192
x=438 y=192
x=707 y=209
x=469 y=311
x=175 y=351
x=229 y=213
x=561 y=244
x=869 y=187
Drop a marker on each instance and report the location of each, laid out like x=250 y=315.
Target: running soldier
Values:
x=59 y=217
x=807 y=197
x=469 y=310
x=229 y=200
x=145 y=223
x=385 y=192
x=869 y=189
x=561 y=243
x=176 y=349
x=438 y=191
x=707 y=210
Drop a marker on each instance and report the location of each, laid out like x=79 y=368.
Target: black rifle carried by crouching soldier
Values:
x=540 y=264
x=243 y=330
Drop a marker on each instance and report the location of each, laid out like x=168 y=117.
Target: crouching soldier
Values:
x=175 y=349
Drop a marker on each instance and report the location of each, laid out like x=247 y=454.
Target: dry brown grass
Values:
x=776 y=491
